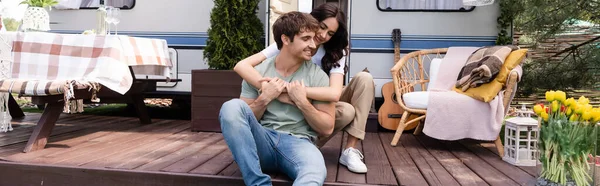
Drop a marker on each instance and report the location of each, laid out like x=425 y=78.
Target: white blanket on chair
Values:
x=453 y=116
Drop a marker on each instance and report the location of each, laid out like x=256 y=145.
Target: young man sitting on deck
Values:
x=282 y=138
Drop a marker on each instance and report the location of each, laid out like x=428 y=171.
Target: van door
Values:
x=345 y=6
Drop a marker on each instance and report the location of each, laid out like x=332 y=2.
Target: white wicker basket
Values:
x=36 y=19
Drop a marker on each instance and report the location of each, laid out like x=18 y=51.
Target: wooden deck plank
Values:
x=62 y=126
x=118 y=137
x=28 y=174
x=22 y=134
x=410 y=163
x=30 y=120
x=30 y=117
x=431 y=169
x=331 y=153
x=59 y=143
x=513 y=172
x=380 y=170
x=25 y=174
x=479 y=166
x=344 y=175
x=533 y=171
x=103 y=151
x=180 y=154
x=123 y=154
x=231 y=170
x=237 y=173
x=189 y=163
x=215 y=165
x=455 y=167
x=10 y=150
x=25 y=137
x=27 y=126
x=134 y=159
x=405 y=170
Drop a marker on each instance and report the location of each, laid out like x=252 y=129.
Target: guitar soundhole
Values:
x=394 y=98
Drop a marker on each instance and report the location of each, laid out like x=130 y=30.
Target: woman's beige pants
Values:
x=352 y=111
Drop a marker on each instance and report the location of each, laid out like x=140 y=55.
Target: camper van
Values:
x=424 y=24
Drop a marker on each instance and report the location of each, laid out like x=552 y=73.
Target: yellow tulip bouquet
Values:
x=567 y=137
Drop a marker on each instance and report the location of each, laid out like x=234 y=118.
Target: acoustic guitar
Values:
x=390 y=112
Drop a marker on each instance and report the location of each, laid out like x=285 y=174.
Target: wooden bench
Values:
x=96 y=65
x=55 y=105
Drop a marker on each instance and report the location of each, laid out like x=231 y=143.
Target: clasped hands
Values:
x=290 y=93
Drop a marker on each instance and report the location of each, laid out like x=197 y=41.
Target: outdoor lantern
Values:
x=520 y=139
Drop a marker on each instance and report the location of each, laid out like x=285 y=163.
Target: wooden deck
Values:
x=100 y=150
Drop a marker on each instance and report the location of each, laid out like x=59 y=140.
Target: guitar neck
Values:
x=396 y=39
x=396 y=54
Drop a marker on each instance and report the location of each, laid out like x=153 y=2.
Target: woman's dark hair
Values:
x=337 y=45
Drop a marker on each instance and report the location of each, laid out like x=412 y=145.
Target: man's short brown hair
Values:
x=292 y=23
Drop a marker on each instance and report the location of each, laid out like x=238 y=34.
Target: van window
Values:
x=93 y=4
x=423 y=5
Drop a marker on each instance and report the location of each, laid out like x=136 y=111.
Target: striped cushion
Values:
x=39 y=87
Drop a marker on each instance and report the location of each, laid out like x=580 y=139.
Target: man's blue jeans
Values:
x=257 y=149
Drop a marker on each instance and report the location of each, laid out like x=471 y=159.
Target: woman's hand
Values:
x=267 y=79
x=273 y=88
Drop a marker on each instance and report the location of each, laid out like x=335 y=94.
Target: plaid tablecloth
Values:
x=50 y=64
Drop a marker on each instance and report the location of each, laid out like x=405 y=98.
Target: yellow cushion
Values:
x=487 y=92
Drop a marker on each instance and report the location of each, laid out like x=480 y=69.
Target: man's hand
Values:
x=285 y=98
x=297 y=91
x=273 y=88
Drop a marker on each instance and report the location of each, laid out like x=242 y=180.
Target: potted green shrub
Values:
x=235 y=33
x=36 y=17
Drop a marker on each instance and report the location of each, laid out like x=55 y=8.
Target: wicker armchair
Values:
x=409 y=73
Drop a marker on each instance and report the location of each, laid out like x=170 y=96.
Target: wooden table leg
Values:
x=13 y=107
x=140 y=108
x=42 y=130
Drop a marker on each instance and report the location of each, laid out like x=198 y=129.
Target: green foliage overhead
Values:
x=570 y=73
x=235 y=33
x=544 y=18
x=539 y=20
x=509 y=9
x=40 y=3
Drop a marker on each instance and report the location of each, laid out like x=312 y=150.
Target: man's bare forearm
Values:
x=319 y=121
x=259 y=105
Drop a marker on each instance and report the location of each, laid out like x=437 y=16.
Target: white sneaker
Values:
x=352 y=158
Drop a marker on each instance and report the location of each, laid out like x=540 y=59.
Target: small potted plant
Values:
x=36 y=17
